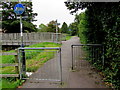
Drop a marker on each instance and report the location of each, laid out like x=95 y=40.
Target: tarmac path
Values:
x=84 y=78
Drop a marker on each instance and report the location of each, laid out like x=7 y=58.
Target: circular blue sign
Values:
x=19 y=9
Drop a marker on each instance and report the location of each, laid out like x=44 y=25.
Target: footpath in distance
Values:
x=85 y=78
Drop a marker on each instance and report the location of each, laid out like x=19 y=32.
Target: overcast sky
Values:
x=49 y=10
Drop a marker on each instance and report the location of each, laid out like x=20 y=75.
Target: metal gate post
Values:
x=60 y=67
x=72 y=55
x=20 y=72
x=23 y=61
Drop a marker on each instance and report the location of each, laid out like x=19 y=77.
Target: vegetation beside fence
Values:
x=106 y=34
x=100 y=24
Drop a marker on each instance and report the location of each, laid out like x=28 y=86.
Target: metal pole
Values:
x=56 y=31
x=60 y=66
x=21 y=29
x=22 y=46
x=21 y=32
x=72 y=56
x=19 y=58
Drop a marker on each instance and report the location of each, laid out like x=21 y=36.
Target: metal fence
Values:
x=43 y=64
x=31 y=38
x=87 y=55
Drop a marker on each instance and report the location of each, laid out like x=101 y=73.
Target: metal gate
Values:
x=87 y=56
x=40 y=64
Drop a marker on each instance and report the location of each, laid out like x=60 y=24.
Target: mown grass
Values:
x=37 y=61
x=32 y=57
x=9 y=83
x=34 y=60
x=11 y=59
x=68 y=37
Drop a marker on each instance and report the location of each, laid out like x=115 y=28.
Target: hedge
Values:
x=100 y=24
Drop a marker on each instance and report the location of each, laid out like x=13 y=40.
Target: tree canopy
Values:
x=64 y=28
x=50 y=27
x=10 y=21
x=42 y=28
x=100 y=24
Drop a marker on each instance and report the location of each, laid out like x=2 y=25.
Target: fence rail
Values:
x=9 y=75
x=8 y=53
x=9 y=64
x=30 y=38
x=16 y=65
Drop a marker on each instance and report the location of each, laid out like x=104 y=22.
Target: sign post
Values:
x=19 y=9
x=57 y=30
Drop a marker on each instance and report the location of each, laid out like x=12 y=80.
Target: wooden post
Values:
x=16 y=61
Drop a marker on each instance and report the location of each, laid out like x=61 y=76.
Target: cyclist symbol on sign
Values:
x=19 y=9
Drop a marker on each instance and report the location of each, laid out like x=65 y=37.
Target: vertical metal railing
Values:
x=60 y=66
x=92 y=53
x=50 y=70
x=72 y=56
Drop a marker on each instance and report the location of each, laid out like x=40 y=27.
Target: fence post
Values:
x=72 y=56
x=61 y=66
x=52 y=37
x=16 y=61
x=60 y=37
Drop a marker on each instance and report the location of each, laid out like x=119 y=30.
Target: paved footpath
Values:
x=84 y=78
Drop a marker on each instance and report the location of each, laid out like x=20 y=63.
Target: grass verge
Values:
x=68 y=37
x=36 y=60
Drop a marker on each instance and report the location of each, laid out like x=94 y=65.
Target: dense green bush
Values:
x=100 y=24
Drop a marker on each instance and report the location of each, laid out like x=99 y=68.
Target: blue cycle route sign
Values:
x=19 y=9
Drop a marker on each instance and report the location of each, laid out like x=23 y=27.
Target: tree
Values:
x=42 y=28
x=9 y=18
x=51 y=26
x=64 y=28
x=8 y=12
x=100 y=24
x=73 y=28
